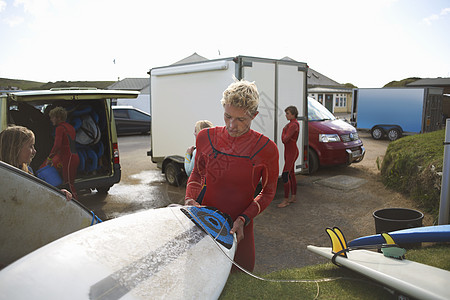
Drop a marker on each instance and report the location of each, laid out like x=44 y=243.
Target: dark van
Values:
x=331 y=141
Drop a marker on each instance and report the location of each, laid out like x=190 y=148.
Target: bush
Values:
x=413 y=166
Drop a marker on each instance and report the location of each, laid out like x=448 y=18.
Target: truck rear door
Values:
x=280 y=84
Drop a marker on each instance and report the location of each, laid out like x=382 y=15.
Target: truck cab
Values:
x=331 y=141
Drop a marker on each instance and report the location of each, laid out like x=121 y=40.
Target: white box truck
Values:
x=394 y=112
x=183 y=94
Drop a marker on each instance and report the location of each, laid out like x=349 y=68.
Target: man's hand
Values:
x=238 y=228
x=191 y=202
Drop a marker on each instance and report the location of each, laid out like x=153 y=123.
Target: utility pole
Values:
x=445 y=185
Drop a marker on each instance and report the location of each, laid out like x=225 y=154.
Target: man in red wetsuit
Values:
x=63 y=155
x=289 y=138
x=230 y=162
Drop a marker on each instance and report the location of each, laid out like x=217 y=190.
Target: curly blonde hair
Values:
x=242 y=94
x=12 y=140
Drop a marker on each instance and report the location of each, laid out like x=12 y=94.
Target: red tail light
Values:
x=305 y=155
x=116 y=153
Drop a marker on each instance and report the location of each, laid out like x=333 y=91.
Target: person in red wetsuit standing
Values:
x=63 y=155
x=229 y=164
x=289 y=138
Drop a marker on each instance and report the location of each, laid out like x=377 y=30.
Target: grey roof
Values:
x=131 y=84
x=191 y=59
x=431 y=82
x=316 y=79
x=288 y=58
x=146 y=90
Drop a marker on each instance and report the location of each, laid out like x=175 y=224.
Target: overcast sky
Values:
x=367 y=43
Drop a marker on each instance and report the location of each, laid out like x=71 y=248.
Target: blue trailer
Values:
x=394 y=112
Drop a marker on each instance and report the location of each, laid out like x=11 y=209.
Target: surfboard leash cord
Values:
x=250 y=273
x=316 y=281
x=95 y=218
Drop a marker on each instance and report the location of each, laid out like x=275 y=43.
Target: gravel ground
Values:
x=282 y=234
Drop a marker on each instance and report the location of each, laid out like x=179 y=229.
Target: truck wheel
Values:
x=313 y=161
x=394 y=134
x=377 y=133
x=174 y=175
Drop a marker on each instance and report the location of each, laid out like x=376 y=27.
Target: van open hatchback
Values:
x=89 y=111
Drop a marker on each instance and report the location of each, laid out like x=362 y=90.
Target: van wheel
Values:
x=394 y=134
x=377 y=133
x=313 y=161
x=174 y=174
x=103 y=189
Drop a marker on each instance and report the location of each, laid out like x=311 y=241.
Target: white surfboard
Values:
x=34 y=213
x=414 y=279
x=155 y=254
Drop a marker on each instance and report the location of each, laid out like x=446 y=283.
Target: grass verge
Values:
x=351 y=286
x=413 y=165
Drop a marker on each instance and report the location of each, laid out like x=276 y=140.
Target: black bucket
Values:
x=392 y=219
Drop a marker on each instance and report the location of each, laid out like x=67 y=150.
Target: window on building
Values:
x=341 y=100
